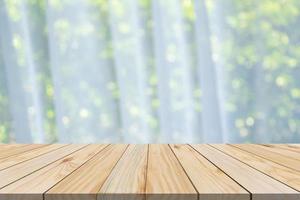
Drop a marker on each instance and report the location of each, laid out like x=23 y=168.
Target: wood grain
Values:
x=33 y=186
x=27 y=155
x=294 y=145
x=284 y=146
x=149 y=172
x=15 y=149
x=284 y=174
x=210 y=181
x=261 y=186
x=128 y=179
x=18 y=171
x=280 y=156
x=166 y=178
x=281 y=149
x=85 y=182
x=11 y=146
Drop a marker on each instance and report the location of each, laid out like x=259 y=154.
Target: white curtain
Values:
x=145 y=71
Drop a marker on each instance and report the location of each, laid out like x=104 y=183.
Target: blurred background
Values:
x=149 y=71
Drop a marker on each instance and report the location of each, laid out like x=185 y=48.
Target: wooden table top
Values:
x=121 y=171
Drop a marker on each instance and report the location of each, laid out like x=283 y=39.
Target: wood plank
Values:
x=85 y=183
x=128 y=179
x=8 y=146
x=166 y=178
x=261 y=186
x=282 y=149
x=284 y=146
x=33 y=186
x=16 y=149
x=279 y=156
x=142 y=172
x=294 y=145
x=284 y=174
x=210 y=181
x=27 y=155
x=19 y=171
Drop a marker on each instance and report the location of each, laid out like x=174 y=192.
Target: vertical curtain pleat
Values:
x=145 y=71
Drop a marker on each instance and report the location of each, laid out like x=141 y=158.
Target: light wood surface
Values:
x=85 y=182
x=210 y=181
x=27 y=155
x=15 y=149
x=291 y=147
x=260 y=185
x=281 y=156
x=279 y=172
x=35 y=184
x=16 y=172
x=128 y=179
x=165 y=176
x=150 y=171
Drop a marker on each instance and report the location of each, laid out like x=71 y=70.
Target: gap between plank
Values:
x=290 y=148
x=254 y=168
x=74 y=170
x=222 y=171
x=32 y=157
x=286 y=148
x=42 y=167
x=145 y=187
x=26 y=145
x=111 y=171
x=258 y=169
x=198 y=195
x=264 y=157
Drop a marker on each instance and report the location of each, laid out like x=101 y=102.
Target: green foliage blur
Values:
x=260 y=58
